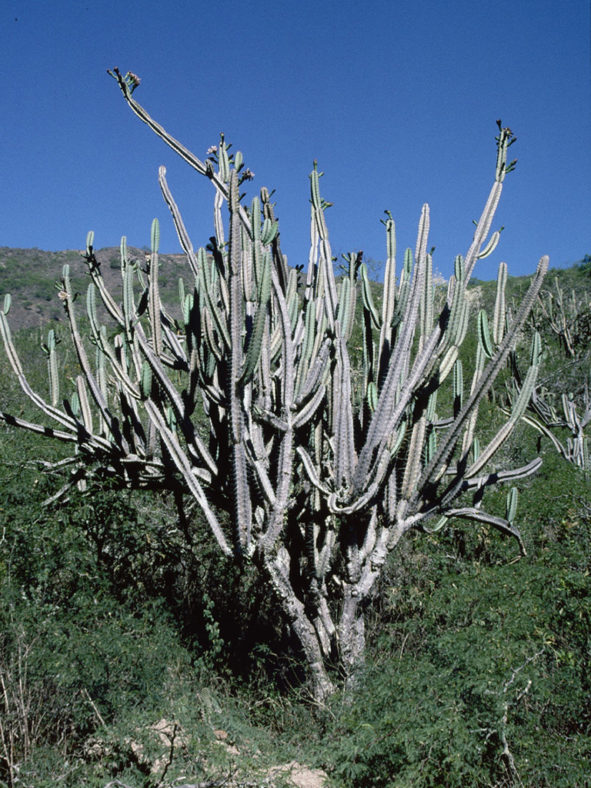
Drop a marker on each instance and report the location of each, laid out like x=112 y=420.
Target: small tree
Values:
x=249 y=405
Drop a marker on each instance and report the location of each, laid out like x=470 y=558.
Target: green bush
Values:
x=482 y=673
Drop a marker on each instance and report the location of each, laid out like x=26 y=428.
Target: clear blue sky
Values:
x=396 y=99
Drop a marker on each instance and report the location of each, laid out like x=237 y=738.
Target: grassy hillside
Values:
x=30 y=276
x=131 y=656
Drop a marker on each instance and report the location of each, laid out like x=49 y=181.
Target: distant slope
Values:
x=30 y=276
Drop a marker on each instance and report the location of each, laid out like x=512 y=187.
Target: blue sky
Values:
x=396 y=100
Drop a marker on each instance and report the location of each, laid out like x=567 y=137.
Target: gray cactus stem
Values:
x=284 y=478
x=276 y=569
x=242 y=512
x=357 y=591
x=446 y=447
x=388 y=404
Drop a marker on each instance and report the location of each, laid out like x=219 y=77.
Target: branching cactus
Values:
x=573 y=418
x=560 y=405
x=250 y=404
x=567 y=317
x=385 y=461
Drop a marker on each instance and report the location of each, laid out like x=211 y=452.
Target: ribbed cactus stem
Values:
x=500 y=305
x=235 y=390
x=54 y=387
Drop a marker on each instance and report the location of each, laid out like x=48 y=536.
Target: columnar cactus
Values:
x=564 y=314
x=322 y=468
x=573 y=418
x=561 y=403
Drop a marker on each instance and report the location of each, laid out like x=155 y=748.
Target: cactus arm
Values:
x=54 y=386
x=173 y=143
x=307 y=343
x=500 y=523
x=325 y=259
x=483 y=227
x=128 y=295
x=518 y=410
x=405 y=282
x=217 y=218
x=425 y=316
x=285 y=451
x=96 y=276
x=388 y=410
x=95 y=387
x=389 y=295
x=172 y=344
x=257 y=462
x=454 y=318
x=154 y=307
x=503 y=476
x=427 y=301
x=205 y=289
x=72 y=424
x=279 y=259
x=53 y=412
x=283 y=479
x=288 y=374
x=544 y=430
x=491 y=245
x=255 y=340
x=344 y=450
x=84 y=404
x=235 y=388
x=390 y=425
x=480 y=482
x=543 y=418
x=345 y=305
x=187 y=472
x=315 y=373
x=77 y=477
x=413 y=463
x=505 y=139
x=367 y=297
x=500 y=307
x=40 y=429
x=194 y=442
x=282 y=485
x=437 y=463
x=177 y=147
x=278 y=424
x=105 y=347
x=305 y=412
x=177 y=218
x=357 y=505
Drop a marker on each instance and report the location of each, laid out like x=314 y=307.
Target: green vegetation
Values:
x=479 y=673
x=153 y=634
x=492 y=684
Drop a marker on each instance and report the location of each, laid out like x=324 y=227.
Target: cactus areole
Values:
x=322 y=465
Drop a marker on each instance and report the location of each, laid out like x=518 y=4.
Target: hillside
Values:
x=131 y=656
x=29 y=275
